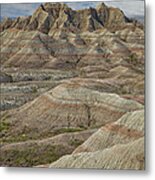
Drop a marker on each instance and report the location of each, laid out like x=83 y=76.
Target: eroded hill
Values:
x=72 y=82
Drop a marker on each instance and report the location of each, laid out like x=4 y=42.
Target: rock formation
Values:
x=50 y=17
x=127 y=156
x=72 y=89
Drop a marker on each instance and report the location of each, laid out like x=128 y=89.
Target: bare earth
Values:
x=72 y=89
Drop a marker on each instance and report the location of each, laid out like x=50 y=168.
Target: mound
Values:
x=67 y=105
x=127 y=129
x=35 y=152
x=128 y=156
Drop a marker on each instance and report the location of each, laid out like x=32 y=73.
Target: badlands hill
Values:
x=50 y=17
x=72 y=89
x=57 y=37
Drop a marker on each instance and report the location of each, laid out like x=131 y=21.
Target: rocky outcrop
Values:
x=70 y=105
x=5 y=24
x=33 y=49
x=118 y=145
x=57 y=37
x=126 y=156
x=127 y=129
x=50 y=17
x=72 y=89
x=4 y=78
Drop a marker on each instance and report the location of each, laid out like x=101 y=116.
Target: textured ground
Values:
x=72 y=89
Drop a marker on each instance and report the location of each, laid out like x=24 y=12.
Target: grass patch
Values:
x=25 y=135
x=14 y=139
x=67 y=130
x=32 y=156
x=75 y=142
x=4 y=126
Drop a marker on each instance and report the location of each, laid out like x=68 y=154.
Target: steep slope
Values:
x=32 y=49
x=104 y=150
x=53 y=16
x=72 y=82
x=126 y=156
x=127 y=129
x=70 y=105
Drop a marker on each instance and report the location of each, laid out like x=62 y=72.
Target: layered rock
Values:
x=127 y=129
x=126 y=156
x=33 y=49
x=119 y=145
x=4 y=78
x=74 y=81
x=68 y=105
x=5 y=24
x=53 y=16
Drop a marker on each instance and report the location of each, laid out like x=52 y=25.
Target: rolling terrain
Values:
x=72 y=89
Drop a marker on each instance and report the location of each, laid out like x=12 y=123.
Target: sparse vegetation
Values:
x=67 y=130
x=75 y=142
x=4 y=125
x=65 y=76
x=132 y=59
x=32 y=155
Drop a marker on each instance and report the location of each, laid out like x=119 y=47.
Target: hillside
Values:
x=72 y=89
